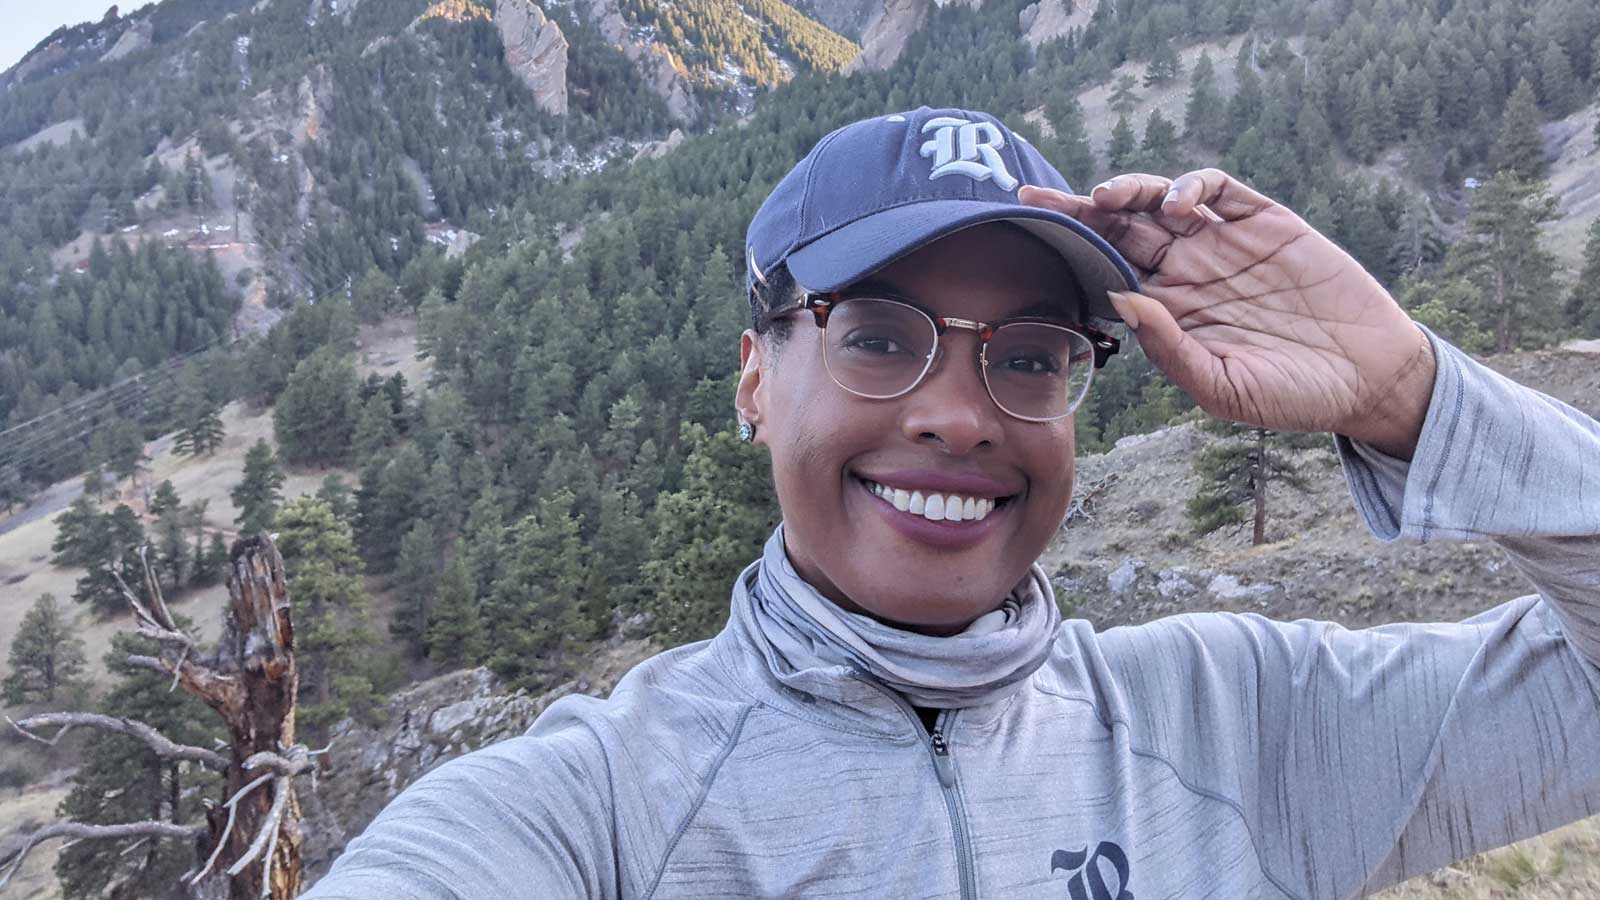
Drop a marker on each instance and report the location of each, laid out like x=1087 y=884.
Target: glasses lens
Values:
x=877 y=348
x=1038 y=371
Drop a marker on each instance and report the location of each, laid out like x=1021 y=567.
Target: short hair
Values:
x=777 y=291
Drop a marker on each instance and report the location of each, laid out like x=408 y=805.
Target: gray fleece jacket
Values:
x=1201 y=756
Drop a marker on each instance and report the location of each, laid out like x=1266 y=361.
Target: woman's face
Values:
x=946 y=437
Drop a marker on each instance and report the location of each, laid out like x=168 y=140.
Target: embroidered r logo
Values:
x=960 y=147
x=1089 y=877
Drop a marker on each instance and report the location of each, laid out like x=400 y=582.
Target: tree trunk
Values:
x=1258 y=534
x=258 y=705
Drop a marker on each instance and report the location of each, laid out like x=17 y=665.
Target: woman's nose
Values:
x=952 y=407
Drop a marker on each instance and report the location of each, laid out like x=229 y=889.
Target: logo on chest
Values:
x=1090 y=872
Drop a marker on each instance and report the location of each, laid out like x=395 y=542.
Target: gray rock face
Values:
x=891 y=27
x=136 y=38
x=885 y=38
x=1123 y=577
x=847 y=17
x=1049 y=19
x=653 y=60
x=427 y=725
x=536 y=51
x=658 y=149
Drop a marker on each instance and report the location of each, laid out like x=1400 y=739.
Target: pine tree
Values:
x=75 y=529
x=375 y=430
x=1165 y=67
x=706 y=532
x=334 y=638
x=1072 y=155
x=1124 y=96
x=46 y=655
x=1519 y=149
x=416 y=584
x=258 y=494
x=1583 y=306
x=108 y=550
x=165 y=499
x=1503 y=257
x=121 y=780
x=536 y=608
x=315 y=415
x=201 y=429
x=1237 y=470
x=1205 y=113
x=455 y=631
x=1557 y=84
x=1159 y=152
x=1123 y=144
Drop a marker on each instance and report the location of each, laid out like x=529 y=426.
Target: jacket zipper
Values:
x=944 y=768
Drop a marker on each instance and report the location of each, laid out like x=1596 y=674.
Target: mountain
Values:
x=552 y=197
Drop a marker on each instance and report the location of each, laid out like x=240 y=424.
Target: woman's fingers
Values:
x=1142 y=239
x=1192 y=367
x=1134 y=192
x=1215 y=190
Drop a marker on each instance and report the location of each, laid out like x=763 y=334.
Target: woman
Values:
x=896 y=709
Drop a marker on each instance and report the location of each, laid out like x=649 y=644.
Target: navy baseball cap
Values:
x=875 y=190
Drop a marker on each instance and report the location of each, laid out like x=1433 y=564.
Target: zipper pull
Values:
x=941 y=760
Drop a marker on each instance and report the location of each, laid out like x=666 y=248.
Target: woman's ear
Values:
x=748 y=398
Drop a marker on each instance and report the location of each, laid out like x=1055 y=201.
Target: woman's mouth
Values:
x=933 y=506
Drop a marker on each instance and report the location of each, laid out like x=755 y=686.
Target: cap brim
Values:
x=854 y=251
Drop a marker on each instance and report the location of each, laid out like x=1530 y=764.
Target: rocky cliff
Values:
x=891 y=25
x=1047 y=19
x=536 y=51
x=665 y=77
x=426 y=726
x=136 y=38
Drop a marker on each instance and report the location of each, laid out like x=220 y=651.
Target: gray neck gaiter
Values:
x=801 y=629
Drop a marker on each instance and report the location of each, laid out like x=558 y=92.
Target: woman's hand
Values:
x=1256 y=315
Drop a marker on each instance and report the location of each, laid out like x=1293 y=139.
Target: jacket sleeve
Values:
x=1358 y=759
x=529 y=816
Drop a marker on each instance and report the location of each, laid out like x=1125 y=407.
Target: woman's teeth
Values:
x=934 y=507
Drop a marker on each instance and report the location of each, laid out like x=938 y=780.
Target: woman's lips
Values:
x=943 y=533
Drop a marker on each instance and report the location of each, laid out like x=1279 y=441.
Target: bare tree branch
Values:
x=268 y=833
x=222 y=839
x=82 y=831
x=158 y=743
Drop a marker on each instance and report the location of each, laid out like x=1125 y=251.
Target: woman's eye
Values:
x=870 y=342
x=1032 y=363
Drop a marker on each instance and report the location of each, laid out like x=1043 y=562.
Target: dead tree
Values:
x=249 y=847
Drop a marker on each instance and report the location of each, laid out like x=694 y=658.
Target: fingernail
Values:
x=1172 y=197
x=1104 y=185
x=1124 y=308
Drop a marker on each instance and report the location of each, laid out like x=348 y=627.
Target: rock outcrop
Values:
x=136 y=38
x=536 y=51
x=661 y=72
x=847 y=17
x=891 y=27
x=1048 y=19
x=658 y=149
x=427 y=725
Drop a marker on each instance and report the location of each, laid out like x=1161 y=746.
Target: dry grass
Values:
x=1561 y=865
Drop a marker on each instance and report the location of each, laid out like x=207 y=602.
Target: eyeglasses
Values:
x=881 y=346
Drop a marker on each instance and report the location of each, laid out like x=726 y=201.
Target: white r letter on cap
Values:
x=957 y=146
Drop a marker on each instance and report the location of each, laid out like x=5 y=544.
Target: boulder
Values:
x=536 y=51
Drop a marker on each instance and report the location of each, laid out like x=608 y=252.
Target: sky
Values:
x=24 y=23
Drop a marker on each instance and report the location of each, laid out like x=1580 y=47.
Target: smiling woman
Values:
x=896 y=708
